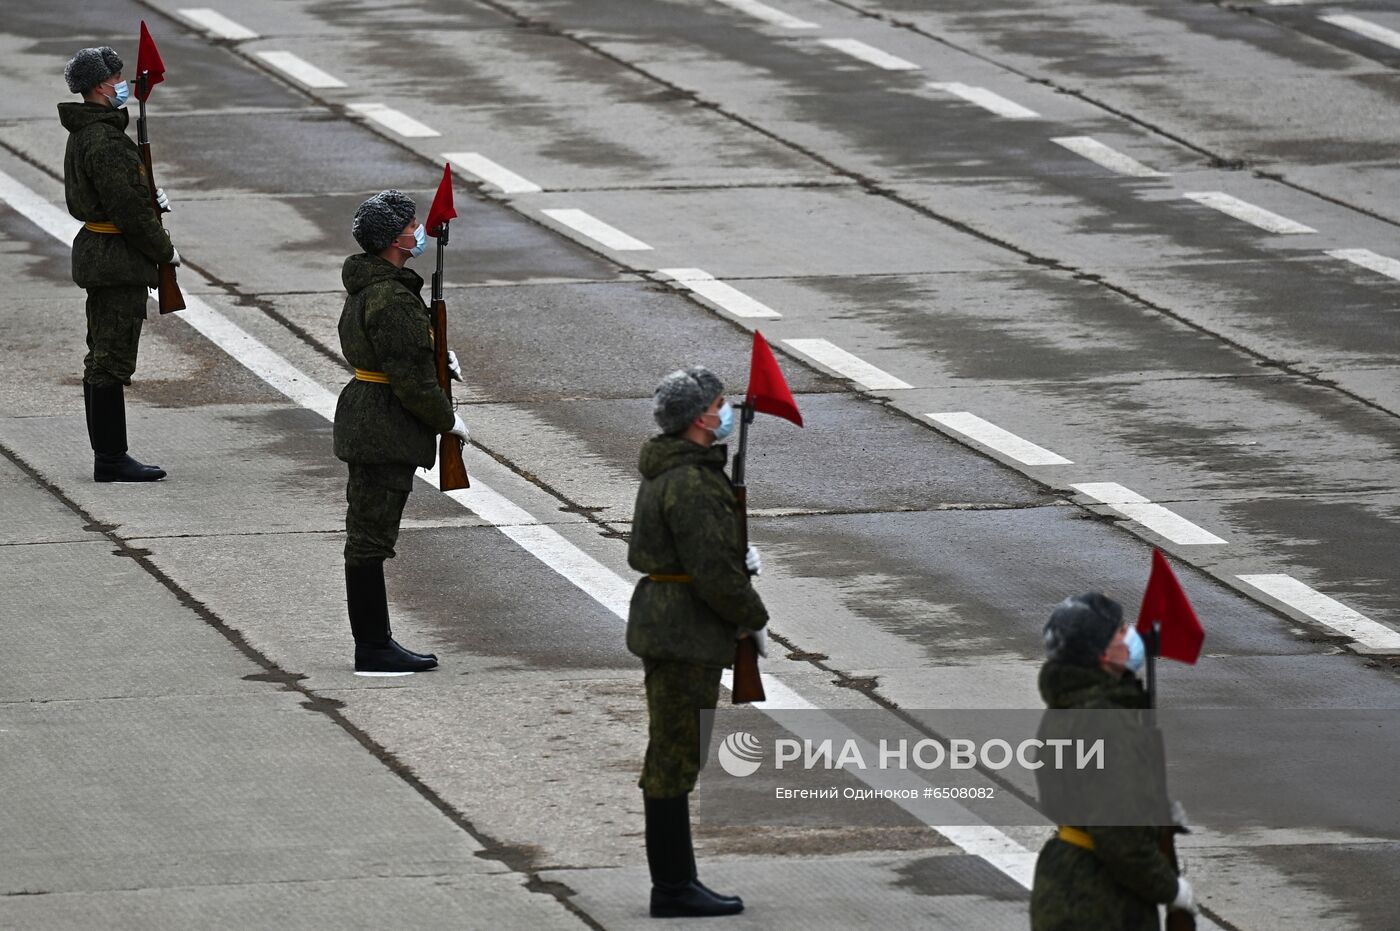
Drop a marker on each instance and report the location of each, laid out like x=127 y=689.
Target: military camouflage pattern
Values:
x=686 y=522
x=104 y=181
x=1120 y=882
x=385 y=327
x=676 y=694
x=375 y=495
x=114 y=320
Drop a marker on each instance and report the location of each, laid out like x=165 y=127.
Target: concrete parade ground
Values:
x=1054 y=284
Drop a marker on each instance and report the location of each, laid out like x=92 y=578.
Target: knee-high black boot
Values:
x=676 y=892
x=368 y=605
x=106 y=407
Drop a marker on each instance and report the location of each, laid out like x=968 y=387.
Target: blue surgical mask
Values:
x=1137 y=650
x=122 y=90
x=420 y=242
x=726 y=423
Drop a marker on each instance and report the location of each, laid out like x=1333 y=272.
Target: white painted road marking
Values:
x=300 y=70
x=1369 y=260
x=1364 y=27
x=843 y=363
x=729 y=298
x=994 y=437
x=1154 y=517
x=217 y=24
x=1326 y=611
x=595 y=229
x=57 y=223
x=397 y=120
x=474 y=163
x=1244 y=210
x=768 y=14
x=987 y=100
x=1110 y=158
x=870 y=54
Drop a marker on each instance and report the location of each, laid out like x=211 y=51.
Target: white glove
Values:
x=1185 y=900
x=459 y=428
x=174 y=256
x=752 y=562
x=162 y=201
x=760 y=641
x=453 y=368
x=1179 y=815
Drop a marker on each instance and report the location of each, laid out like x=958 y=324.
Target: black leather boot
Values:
x=676 y=892
x=368 y=604
x=106 y=409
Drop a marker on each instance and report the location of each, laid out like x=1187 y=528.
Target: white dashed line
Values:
x=596 y=230
x=1364 y=27
x=1100 y=154
x=1326 y=611
x=1369 y=260
x=1154 y=517
x=846 y=365
x=397 y=120
x=217 y=24
x=474 y=163
x=769 y=15
x=987 y=100
x=994 y=437
x=1244 y=210
x=300 y=70
x=870 y=54
x=727 y=297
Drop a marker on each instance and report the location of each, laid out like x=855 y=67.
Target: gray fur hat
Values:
x=1081 y=628
x=380 y=220
x=90 y=67
x=683 y=395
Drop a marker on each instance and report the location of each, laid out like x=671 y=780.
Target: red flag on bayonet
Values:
x=768 y=390
x=147 y=62
x=1165 y=602
x=442 y=209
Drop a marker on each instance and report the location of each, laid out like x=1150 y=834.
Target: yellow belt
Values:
x=1076 y=837
x=378 y=378
x=93 y=226
x=669 y=578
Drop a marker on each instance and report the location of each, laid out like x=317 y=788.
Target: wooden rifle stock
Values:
x=168 y=293
x=452 y=470
x=747 y=684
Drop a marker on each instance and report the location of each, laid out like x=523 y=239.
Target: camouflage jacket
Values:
x=686 y=523
x=385 y=327
x=105 y=182
x=1119 y=883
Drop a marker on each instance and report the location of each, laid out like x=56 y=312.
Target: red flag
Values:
x=442 y=209
x=1166 y=602
x=147 y=61
x=768 y=390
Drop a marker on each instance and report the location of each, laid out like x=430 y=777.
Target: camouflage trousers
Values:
x=376 y=495
x=679 y=742
x=114 y=319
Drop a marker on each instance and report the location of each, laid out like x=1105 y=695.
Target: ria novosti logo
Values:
x=741 y=754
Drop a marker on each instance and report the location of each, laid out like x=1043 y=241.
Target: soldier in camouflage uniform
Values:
x=695 y=601
x=115 y=254
x=1093 y=877
x=389 y=415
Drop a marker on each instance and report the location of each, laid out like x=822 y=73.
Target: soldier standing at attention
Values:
x=388 y=417
x=116 y=252
x=686 y=614
x=1091 y=878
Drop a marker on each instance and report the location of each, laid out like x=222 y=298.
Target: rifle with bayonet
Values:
x=748 y=682
x=452 y=469
x=168 y=292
